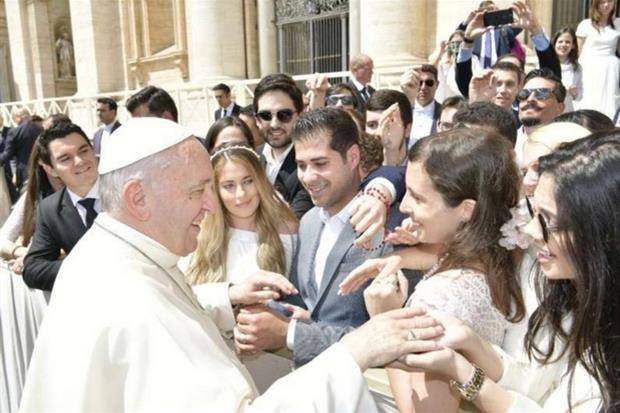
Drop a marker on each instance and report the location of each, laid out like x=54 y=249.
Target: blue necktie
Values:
x=488 y=52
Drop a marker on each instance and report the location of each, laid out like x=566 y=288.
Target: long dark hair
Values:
x=587 y=194
x=222 y=124
x=475 y=164
x=573 y=55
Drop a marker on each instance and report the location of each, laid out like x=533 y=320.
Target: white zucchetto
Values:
x=137 y=139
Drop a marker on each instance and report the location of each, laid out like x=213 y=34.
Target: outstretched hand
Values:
x=377 y=267
x=260 y=287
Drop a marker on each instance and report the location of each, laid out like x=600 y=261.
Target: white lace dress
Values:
x=463 y=294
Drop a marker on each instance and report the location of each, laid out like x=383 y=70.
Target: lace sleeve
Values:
x=465 y=295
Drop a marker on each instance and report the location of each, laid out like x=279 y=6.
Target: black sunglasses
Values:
x=540 y=93
x=284 y=115
x=545 y=227
x=345 y=99
x=427 y=82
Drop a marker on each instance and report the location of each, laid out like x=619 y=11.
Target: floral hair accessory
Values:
x=512 y=231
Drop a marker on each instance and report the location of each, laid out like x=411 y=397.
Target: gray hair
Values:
x=147 y=170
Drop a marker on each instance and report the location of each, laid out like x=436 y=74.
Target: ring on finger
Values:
x=412 y=335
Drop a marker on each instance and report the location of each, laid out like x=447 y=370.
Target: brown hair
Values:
x=596 y=16
x=466 y=163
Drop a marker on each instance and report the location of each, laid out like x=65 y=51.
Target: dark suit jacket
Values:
x=8 y=173
x=332 y=316
x=58 y=227
x=235 y=111
x=289 y=186
x=97 y=137
x=18 y=145
x=358 y=95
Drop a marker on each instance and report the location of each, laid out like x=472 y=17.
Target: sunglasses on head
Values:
x=427 y=82
x=545 y=227
x=540 y=93
x=284 y=115
x=345 y=99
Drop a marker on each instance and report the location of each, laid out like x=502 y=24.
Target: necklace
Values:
x=433 y=270
x=187 y=295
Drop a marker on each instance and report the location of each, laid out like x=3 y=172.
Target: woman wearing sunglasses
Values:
x=342 y=96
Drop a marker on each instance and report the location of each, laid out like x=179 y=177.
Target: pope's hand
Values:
x=260 y=287
x=387 y=337
x=259 y=328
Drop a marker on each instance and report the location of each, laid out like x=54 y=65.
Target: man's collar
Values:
x=343 y=215
x=430 y=108
x=269 y=154
x=357 y=84
x=92 y=193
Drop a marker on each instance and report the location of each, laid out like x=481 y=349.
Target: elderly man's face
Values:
x=182 y=197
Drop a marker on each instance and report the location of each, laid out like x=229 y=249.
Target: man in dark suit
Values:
x=63 y=217
x=361 y=67
x=420 y=85
x=221 y=92
x=106 y=112
x=278 y=103
x=327 y=152
x=18 y=146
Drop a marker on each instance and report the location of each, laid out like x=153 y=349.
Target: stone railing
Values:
x=195 y=103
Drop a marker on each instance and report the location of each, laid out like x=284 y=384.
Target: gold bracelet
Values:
x=470 y=389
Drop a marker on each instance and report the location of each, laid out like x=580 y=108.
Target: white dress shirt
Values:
x=422 y=122
x=274 y=162
x=227 y=111
x=93 y=193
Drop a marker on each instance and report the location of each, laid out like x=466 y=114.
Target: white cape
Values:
x=123 y=332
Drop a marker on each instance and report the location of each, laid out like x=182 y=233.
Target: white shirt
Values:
x=359 y=87
x=93 y=193
x=274 y=163
x=227 y=111
x=422 y=122
x=519 y=146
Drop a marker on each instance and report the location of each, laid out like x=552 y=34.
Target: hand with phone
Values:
x=476 y=28
x=498 y=18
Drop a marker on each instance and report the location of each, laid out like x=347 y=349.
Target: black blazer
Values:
x=235 y=111
x=18 y=145
x=97 y=137
x=358 y=95
x=58 y=227
x=289 y=186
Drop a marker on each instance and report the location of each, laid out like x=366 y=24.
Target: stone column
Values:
x=216 y=46
x=394 y=28
x=251 y=39
x=41 y=46
x=97 y=46
x=267 y=37
x=354 y=27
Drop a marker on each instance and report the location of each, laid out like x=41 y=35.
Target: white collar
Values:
x=229 y=107
x=92 y=193
x=269 y=154
x=152 y=249
x=357 y=84
x=109 y=126
x=428 y=109
x=343 y=215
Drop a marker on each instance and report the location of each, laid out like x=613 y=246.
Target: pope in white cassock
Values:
x=123 y=331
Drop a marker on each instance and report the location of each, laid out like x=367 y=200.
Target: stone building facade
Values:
x=51 y=48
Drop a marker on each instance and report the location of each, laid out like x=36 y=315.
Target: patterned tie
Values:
x=91 y=214
x=364 y=93
x=488 y=52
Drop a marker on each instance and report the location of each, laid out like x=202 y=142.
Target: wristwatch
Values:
x=470 y=389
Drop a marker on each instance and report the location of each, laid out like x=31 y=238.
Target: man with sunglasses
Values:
x=277 y=104
x=425 y=108
x=540 y=101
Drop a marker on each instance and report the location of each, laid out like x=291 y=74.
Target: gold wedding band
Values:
x=412 y=335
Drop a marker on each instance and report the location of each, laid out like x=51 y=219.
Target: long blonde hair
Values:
x=209 y=261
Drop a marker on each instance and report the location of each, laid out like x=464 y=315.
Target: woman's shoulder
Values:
x=288 y=228
x=583 y=27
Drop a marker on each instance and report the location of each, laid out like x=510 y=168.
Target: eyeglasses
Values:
x=332 y=100
x=284 y=115
x=545 y=227
x=427 y=82
x=540 y=93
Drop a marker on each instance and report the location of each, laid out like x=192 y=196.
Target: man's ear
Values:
x=135 y=200
x=48 y=169
x=467 y=207
x=353 y=155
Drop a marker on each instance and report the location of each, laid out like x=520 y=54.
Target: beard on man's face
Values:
x=530 y=120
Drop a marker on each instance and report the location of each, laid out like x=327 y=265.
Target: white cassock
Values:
x=123 y=332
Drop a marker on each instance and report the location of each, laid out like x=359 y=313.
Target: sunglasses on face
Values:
x=427 y=82
x=541 y=93
x=545 y=227
x=345 y=99
x=454 y=45
x=284 y=115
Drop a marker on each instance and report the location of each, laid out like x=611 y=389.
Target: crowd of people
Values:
x=461 y=232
